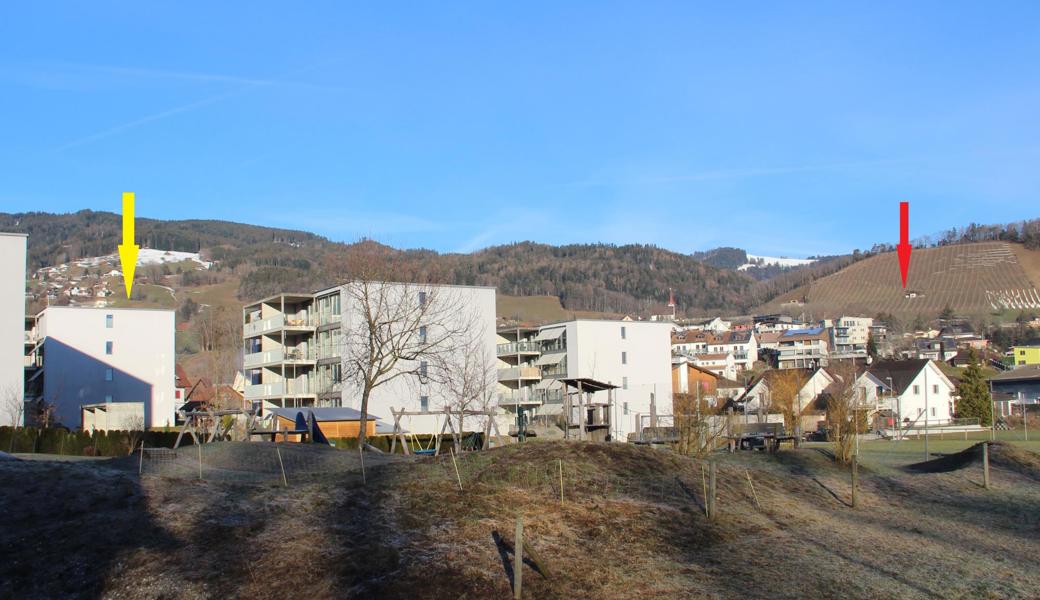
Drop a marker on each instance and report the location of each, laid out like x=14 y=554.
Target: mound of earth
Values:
x=1000 y=455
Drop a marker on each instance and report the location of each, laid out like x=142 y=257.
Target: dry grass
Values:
x=630 y=526
x=959 y=276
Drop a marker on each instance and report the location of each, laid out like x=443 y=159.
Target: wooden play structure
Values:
x=433 y=446
x=593 y=420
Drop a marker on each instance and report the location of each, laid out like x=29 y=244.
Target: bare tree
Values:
x=844 y=410
x=134 y=426
x=466 y=377
x=697 y=423
x=13 y=409
x=784 y=388
x=391 y=329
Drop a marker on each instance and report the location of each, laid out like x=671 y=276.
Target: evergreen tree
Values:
x=871 y=346
x=975 y=401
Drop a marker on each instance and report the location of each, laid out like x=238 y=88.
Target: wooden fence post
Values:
x=456 y=468
x=985 y=465
x=281 y=465
x=753 y=494
x=712 y=490
x=198 y=443
x=361 y=453
x=518 y=559
x=140 y=464
x=561 y=481
x=855 y=481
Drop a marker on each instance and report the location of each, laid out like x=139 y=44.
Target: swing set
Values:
x=432 y=447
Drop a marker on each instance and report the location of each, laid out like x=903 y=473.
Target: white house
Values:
x=743 y=345
x=849 y=335
x=913 y=392
x=98 y=356
x=719 y=363
x=760 y=394
x=12 y=325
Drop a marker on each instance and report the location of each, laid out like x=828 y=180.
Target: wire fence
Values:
x=256 y=462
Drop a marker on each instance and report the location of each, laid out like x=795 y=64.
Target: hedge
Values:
x=80 y=443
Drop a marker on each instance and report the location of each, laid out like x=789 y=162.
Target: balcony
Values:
x=272 y=324
x=288 y=387
x=525 y=347
x=531 y=397
x=519 y=373
x=293 y=355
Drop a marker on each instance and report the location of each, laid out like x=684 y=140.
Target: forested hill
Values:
x=597 y=277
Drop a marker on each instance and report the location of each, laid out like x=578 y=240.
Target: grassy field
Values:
x=600 y=521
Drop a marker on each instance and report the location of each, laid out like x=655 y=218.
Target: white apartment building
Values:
x=633 y=355
x=296 y=346
x=849 y=336
x=803 y=348
x=743 y=345
x=92 y=357
x=12 y=324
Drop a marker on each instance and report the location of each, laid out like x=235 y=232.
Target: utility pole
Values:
x=926 y=455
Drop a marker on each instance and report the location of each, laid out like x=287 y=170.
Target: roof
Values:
x=588 y=385
x=337 y=413
x=1025 y=373
x=902 y=372
x=736 y=337
x=691 y=365
x=181 y=377
x=724 y=383
x=769 y=337
x=711 y=356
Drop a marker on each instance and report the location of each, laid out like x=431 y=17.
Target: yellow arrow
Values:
x=128 y=249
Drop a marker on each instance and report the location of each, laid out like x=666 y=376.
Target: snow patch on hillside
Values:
x=146 y=256
x=766 y=261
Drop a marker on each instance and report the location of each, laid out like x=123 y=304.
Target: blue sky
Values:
x=784 y=128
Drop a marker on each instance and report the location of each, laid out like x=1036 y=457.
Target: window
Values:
x=108 y=374
x=920 y=412
x=108 y=347
x=424 y=403
x=622 y=332
x=935 y=389
x=624 y=358
x=917 y=390
x=1021 y=352
x=422 y=334
x=423 y=366
x=625 y=406
x=108 y=399
x=933 y=411
x=624 y=383
x=108 y=321
x=422 y=298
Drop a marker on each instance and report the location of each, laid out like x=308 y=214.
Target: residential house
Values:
x=713 y=325
x=803 y=348
x=93 y=357
x=759 y=395
x=849 y=336
x=1026 y=355
x=692 y=341
x=941 y=349
x=688 y=378
x=914 y=392
x=1017 y=386
x=743 y=345
x=720 y=363
x=12 y=325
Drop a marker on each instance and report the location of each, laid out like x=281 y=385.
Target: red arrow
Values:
x=904 y=247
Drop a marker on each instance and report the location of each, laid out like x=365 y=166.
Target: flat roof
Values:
x=594 y=320
x=23 y=235
x=105 y=309
x=296 y=295
x=413 y=283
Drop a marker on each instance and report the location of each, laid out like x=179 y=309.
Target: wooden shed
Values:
x=334 y=422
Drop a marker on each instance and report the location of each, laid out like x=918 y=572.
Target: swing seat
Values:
x=424 y=452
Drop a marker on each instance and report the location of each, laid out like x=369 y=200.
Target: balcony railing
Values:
x=531 y=397
x=276 y=356
x=515 y=373
x=276 y=322
x=519 y=347
x=289 y=387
